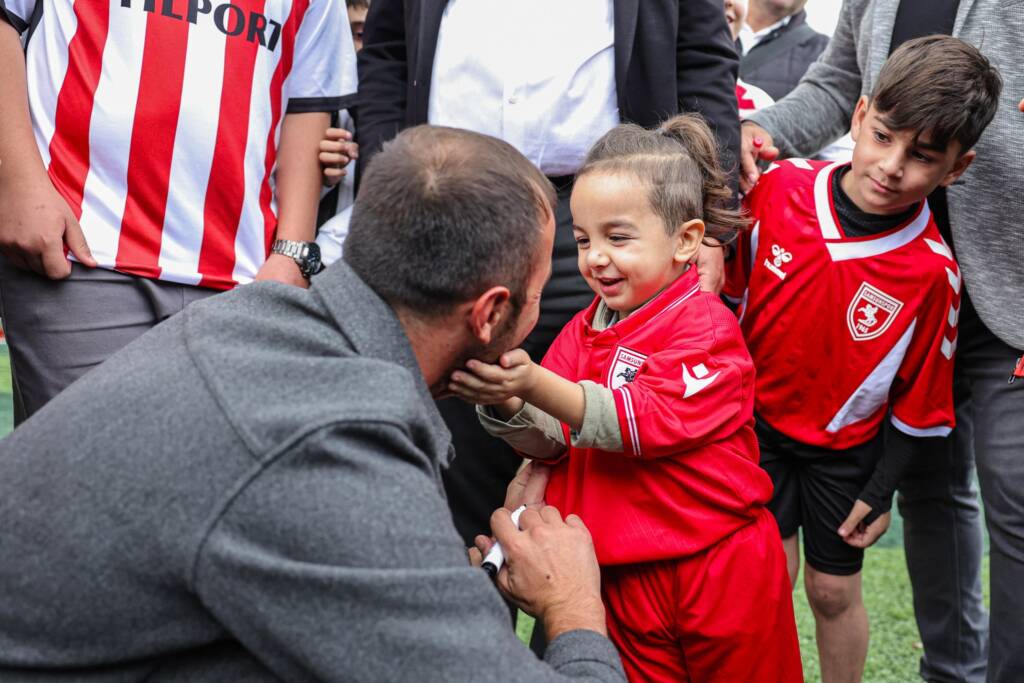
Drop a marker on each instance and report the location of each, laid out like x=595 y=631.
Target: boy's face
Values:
x=356 y=20
x=891 y=171
x=735 y=13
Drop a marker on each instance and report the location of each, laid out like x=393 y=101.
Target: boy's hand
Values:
x=861 y=535
x=491 y=384
x=336 y=150
x=756 y=145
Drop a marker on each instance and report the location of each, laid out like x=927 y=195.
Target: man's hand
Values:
x=711 y=268
x=336 y=150
x=281 y=268
x=550 y=569
x=528 y=487
x=861 y=535
x=36 y=225
x=491 y=384
x=755 y=144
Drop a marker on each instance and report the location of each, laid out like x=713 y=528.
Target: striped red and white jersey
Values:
x=844 y=330
x=158 y=120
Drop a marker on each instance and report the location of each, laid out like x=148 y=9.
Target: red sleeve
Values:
x=922 y=394
x=683 y=398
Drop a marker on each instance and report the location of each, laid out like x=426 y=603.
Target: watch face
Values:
x=313 y=263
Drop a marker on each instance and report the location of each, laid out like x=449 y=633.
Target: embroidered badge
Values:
x=625 y=366
x=871 y=312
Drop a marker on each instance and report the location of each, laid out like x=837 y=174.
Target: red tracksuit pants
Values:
x=725 y=614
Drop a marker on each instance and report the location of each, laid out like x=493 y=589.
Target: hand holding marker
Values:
x=495 y=557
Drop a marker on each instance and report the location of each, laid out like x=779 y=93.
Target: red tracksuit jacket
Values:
x=684 y=394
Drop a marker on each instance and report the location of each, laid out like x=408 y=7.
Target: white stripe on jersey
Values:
x=113 y=113
x=194 y=143
x=914 y=431
x=250 y=239
x=47 y=60
x=844 y=251
x=634 y=435
x=873 y=392
x=823 y=203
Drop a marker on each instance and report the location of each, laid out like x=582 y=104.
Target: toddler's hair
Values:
x=677 y=163
x=938 y=85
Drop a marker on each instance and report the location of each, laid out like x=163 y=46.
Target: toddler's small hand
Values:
x=490 y=384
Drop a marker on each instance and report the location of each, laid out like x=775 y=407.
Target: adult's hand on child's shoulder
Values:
x=858 y=534
x=550 y=569
x=755 y=145
x=711 y=268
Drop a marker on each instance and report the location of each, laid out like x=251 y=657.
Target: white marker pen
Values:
x=495 y=557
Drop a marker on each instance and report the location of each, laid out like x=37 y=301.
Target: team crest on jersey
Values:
x=625 y=366
x=871 y=312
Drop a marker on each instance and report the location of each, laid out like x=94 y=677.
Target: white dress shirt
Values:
x=539 y=74
x=749 y=38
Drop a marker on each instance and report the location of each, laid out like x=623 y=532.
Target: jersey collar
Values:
x=842 y=248
x=685 y=286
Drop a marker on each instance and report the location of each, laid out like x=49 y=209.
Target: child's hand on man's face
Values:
x=494 y=383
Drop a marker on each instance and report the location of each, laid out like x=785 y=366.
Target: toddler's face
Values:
x=625 y=253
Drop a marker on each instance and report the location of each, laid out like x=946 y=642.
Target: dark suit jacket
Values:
x=670 y=56
x=780 y=75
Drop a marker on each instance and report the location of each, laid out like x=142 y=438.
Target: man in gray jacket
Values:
x=943 y=538
x=252 y=490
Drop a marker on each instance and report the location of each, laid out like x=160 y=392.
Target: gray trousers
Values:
x=58 y=329
x=942 y=532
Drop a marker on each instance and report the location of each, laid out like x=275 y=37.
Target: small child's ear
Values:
x=962 y=163
x=689 y=237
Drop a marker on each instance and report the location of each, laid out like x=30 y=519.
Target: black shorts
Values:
x=815 y=488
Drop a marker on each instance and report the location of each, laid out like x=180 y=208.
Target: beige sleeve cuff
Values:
x=530 y=431
x=600 y=427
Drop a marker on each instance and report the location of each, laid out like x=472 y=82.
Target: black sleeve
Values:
x=707 y=67
x=898 y=453
x=383 y=78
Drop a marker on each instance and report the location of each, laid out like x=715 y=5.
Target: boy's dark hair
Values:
x=443 y=215
x=941 y=86
x=358 y=4
x=678 y=165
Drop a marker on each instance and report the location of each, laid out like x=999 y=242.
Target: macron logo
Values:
x=698 y=380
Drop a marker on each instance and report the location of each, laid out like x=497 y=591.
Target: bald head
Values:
x=444 y=214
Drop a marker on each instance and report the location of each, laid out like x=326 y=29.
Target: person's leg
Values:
x=57 y=330
x=942 y=538
x=791 y=546
x=841 y=624
x=998 y=419
x=735 y=624
x=639 y=600
x=830 y=483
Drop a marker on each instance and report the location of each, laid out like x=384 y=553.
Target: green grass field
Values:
x=895 y=647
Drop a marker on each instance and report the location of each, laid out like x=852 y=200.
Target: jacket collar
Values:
x=373 y=330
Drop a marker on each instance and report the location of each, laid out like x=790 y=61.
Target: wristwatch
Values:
x=305 y=254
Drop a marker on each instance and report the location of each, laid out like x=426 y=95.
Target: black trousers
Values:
x=483 y=467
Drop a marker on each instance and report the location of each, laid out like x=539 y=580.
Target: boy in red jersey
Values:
x=647 y=399
x=850 y=298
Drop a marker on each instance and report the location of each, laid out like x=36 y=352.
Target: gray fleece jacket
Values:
x=986 y=206
x=251 y=491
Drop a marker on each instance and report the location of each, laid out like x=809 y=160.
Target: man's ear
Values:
x=688 y=240
x=962 y=163
x=859 y=114
x=487 y=313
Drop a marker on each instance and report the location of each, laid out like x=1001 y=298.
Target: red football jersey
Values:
x=843 y=329
x=683 y=383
